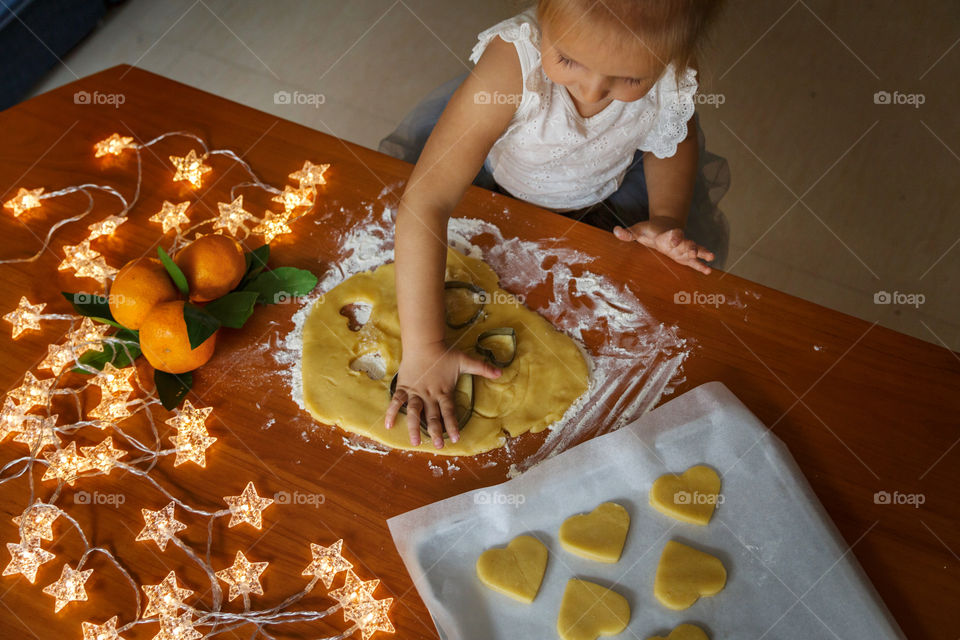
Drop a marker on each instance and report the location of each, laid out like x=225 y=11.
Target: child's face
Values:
x=595 y=65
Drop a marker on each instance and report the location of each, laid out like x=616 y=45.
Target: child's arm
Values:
x=670 y=190
x=453 y=155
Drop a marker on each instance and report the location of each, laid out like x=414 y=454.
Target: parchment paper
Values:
x=790 y=574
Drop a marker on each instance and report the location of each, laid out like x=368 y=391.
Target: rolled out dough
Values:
x=547 y=375
x=589 y=610
x=598 y=535
x=516 y=570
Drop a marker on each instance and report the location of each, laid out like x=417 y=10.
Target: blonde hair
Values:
x=672 y=30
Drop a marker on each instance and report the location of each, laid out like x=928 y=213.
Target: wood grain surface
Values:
x=862 y=409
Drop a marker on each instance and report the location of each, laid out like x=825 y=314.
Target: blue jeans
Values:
x=628 y=205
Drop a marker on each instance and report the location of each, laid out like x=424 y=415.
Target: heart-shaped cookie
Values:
x=589 y=611
x=684 y=632
x=598 y=535
x=516 y=570
x=685 y=574
x=690 y=496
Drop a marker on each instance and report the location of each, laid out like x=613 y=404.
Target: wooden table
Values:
x=862 y=409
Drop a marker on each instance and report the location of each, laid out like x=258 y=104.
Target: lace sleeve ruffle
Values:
x=517 y=28
x=523 y=33
x=676 y=107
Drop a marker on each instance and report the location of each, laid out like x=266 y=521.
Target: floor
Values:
x=837 y=195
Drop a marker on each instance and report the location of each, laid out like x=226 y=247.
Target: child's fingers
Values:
x=623 y=234
x=697 y=265
x=449 y=412
x=414 y=407
x=399 y=397
x=478 y=367
x=434 y=423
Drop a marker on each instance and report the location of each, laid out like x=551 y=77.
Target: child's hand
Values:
x=428 y=377
x=665 y=234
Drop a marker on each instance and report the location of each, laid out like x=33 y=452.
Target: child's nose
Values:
x=593 y=91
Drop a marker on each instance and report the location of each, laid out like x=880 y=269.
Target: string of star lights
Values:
x=27 y=420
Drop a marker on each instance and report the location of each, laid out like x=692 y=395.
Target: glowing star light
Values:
x=69 y=588
x=102 y=457
x=25 y=559
x=113 y=146
x=12 y=418
x=293 y=199
x=243 y=577
x=36 y=522
x=192 y=439
x=32 y=392
x=65 y=464
x=105 y=631
x=178 y=628
x=161 y=526
x=24 y=200
x=25 y=317
x=354 y=591
x=87 y=337
x=272 y=225
x=310 y=175
x=190 y=168
x=371 y=617
x=115 y=389
x=166 y=598
x=171 y=216
x=105 y=227
x=232 y=215
x=327 y=562
x=37 y=433
x=86 y=262
x=247 y=507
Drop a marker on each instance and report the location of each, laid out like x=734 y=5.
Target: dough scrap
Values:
x=684 y=632
x=685 y=574
x=690 y=497
x=598 y=535
x=516 y=570
x=589 y=610
x=548 y=374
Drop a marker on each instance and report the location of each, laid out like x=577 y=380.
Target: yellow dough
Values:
x=598 y=535
x=690 y=496
x=589 y=611
x=684 y=574
x=515 y=571
x=684 y=632
x=547 y=375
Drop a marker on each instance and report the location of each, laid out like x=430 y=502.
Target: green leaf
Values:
x=256 y=261
x=92 y=306
x=282 y=284
x=233 y=309
x=172 y=388
x=200 y=324
x=175 y=273
x=121 y=349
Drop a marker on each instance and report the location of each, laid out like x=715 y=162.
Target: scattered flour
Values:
x=366 y=446
x=636 y=362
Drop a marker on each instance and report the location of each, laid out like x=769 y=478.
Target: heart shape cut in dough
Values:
x=598 y=535
x=516 y=570
x=684 y=632
x=691 y=496
x=685 y=574
x=589 y=611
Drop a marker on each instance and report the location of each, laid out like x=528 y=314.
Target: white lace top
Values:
x=552 y=156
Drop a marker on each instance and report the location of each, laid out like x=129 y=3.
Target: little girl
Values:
x=584 y=107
